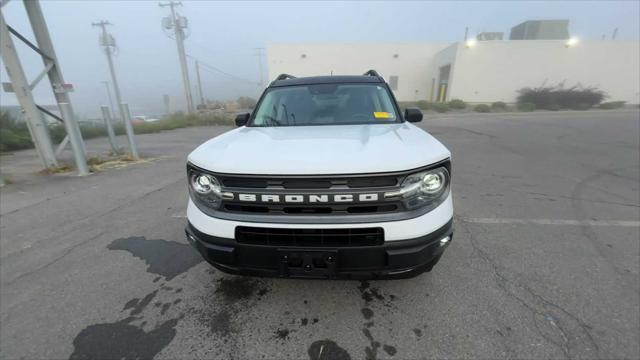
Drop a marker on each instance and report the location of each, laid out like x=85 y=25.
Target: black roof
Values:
x=327 y=80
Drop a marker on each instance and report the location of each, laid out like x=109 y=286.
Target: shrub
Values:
x=457 y=104
x=245 y=102
x=581 y=106
x=483 y=108
x=13 y=136
x=6 y=121
x=424 y=105
x=526 y=106
x=612 y=105
x=88 y=131
x=58 y=132
x=441 y=107
x=499 y=106
x=407 y=104
x=16 y=136
x=546 y=97
x=14 y=140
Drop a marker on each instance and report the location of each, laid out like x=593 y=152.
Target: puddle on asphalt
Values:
x=218 y=311
x=122 y=340
x=327 y=350
x=166 y=258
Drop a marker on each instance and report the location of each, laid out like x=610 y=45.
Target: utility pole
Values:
x=199 y=84
x=260 y=54
x=111 y=108
x=109 y=125
x=178 y=23
x=167 y=104
x=109 y=44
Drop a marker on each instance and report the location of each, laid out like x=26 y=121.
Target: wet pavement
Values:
x=544 y=263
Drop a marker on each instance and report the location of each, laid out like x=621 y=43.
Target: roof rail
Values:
x=372 y=73
x=285 y=76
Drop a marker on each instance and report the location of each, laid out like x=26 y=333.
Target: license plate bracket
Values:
x=308 y=263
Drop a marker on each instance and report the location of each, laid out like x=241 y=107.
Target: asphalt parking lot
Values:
x=544 y=263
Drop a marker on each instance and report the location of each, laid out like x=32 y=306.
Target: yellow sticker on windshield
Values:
x=381 y=115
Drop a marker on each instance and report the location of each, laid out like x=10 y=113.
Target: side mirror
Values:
x=242 y=119
x=413 y=115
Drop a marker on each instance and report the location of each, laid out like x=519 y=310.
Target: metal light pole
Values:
x=106 y=85
x=112 y=135
x=260 y=54
x=178 y=23
x=109 y=44
x=126 y=115
x=199 y=83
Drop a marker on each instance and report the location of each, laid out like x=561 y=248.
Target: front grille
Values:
x=298 y=183
x=351 y=196
x=309 y=237
x=332 y=209
x=337 y=184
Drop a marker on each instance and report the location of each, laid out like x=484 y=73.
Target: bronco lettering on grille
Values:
x=308 y=198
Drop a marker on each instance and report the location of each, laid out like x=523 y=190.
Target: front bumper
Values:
x=392 y=259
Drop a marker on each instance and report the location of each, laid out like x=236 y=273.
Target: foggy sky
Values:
x=224 y=34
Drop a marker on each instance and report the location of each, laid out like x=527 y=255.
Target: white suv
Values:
x=326 y=178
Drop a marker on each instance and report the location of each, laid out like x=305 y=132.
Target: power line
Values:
x=228 y=80
x=214 y=69
x=215 y=51
x=210 y=67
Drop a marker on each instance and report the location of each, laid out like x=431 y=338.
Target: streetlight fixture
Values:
x=571 y=42
x=471 y=43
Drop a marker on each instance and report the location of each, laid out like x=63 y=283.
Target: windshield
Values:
x=326 y=104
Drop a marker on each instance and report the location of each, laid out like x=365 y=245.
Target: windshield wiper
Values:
x=271 y=121
x=286 y=113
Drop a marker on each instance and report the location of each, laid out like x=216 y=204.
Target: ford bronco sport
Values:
x=326 y=178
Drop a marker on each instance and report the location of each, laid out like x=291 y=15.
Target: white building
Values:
x=476 y=71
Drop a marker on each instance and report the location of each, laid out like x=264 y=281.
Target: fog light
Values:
x=191 y=239
x=444 y=241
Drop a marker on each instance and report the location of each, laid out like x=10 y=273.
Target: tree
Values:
x=245 y=102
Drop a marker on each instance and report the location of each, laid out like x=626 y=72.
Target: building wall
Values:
x=413 y=65
x=443 y=58
x=495 y=70
x=541 y=30
x=489 y=71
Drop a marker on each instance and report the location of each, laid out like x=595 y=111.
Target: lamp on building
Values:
x=470 y=43
x=571 y=42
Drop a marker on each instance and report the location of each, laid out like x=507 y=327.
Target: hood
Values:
x=319 y=150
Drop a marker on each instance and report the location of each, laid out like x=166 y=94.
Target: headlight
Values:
x=205 y=189
x=204 y=184
x=432 y=183
x=427 y=188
